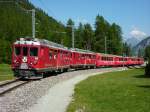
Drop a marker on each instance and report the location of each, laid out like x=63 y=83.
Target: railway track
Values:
x=11 y=85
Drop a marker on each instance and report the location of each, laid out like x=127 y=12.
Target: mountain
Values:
x=141 y=45
x=133 y=41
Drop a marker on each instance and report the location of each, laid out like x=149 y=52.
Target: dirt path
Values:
x=59 y=96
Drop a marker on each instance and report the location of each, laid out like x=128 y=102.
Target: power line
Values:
x=47 y=8
x=26 y=10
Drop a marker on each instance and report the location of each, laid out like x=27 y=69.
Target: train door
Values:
x=51 y=58
x=55 y=58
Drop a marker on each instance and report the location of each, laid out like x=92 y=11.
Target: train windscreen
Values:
x=25 y=51
x=33 y=51
x=17 y=50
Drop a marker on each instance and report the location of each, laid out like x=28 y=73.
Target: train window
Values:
x=50 y=55
x=55 y=54
x=120 y=59
x=17 y=50
x=83 y=56
x=33 y=51
x=102 y=58
x=60 y=54
x=125 y=59
x=25 y=51
x=111 y=58
x=90 y=56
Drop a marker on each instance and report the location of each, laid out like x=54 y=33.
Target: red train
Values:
x=36 y=57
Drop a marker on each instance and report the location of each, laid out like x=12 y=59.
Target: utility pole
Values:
x=105 y=45
x=33 y=15
x=72 y=36
x=33 y=23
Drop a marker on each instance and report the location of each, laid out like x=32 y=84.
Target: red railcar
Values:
x=36 y=57
x=83 y=58
x=104 y=60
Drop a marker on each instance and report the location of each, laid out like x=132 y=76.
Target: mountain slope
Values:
x=142 y=45
x=133 y=41
x=16 y=23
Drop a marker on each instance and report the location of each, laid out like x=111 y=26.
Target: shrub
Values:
x=147 y=69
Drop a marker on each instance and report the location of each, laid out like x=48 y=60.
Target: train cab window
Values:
x=17 y=50
x=25 y=51
x=33 y=51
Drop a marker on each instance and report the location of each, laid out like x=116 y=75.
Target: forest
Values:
x=16 y=22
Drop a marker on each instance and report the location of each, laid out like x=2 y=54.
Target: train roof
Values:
x=111 y=55
x=103 y=54
x=81 y=50
x=36 y=41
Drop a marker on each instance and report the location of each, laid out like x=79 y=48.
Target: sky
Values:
x=132 y=15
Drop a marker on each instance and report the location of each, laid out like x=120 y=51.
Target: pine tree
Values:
x=127 y=49
x=87 y=37
x=116 y=39
x=100 y=33
x=79 y=36
x=68 y=40
x=147 y=55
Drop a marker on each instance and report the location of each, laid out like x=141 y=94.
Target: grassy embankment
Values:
x=126 y=91
x=5 y=72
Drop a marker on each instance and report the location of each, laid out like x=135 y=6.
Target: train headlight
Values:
x=16 y=62
x=36 y=60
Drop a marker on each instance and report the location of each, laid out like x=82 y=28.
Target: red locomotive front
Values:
x=25 y=57
x=35 y=57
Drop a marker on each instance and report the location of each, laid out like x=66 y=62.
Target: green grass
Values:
x=126 y=91
x=5 y=72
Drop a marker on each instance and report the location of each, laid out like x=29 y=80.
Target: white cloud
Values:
x=81 y=20
x=137 y=33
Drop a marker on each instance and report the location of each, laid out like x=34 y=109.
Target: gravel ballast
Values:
x=51 y=94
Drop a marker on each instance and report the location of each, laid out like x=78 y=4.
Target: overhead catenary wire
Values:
x=53 y=14
x=26 y=10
